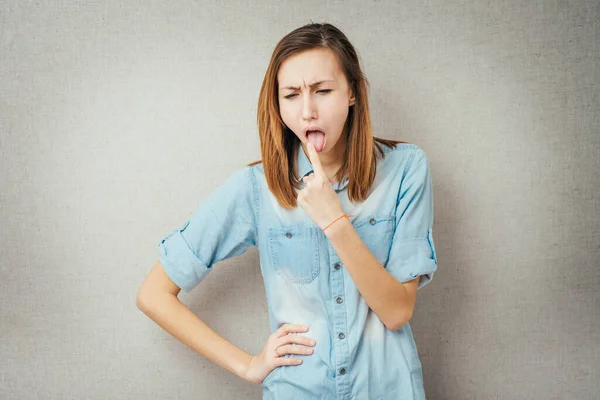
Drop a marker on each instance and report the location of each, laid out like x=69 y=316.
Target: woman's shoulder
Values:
x=255 y=167
x=399 y=151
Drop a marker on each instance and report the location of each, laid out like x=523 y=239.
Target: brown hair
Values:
x=279 y=145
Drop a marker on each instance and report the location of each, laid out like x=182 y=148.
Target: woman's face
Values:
x=324 y=106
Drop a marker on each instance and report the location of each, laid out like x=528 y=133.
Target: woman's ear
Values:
x=351 y=101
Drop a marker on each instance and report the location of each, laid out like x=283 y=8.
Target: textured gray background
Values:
x=118 y=118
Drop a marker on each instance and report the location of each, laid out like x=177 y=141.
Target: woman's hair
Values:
x=279 y=145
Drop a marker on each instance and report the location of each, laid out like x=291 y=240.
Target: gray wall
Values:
x=117 y=119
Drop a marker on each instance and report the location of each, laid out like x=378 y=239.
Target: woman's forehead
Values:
x=308 y=68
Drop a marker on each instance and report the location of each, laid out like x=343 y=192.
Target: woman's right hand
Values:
x=279 y=343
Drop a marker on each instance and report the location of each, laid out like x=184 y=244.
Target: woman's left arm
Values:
x=392 y=300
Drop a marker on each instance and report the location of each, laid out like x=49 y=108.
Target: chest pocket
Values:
x=295 y=253
x=376 y=231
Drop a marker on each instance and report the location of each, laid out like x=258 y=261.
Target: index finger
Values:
x=290 y=328
x=315 y=161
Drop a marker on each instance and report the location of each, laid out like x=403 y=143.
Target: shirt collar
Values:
x=305 y=168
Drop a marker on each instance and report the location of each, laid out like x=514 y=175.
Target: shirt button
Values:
x=337 y=266
x=342 y=371
x=288 y=234
x=372 y=221
x=339 y=300
x=341 y=335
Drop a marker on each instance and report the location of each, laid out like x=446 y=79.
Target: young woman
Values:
x=342 y=222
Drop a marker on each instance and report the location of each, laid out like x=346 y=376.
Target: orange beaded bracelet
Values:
x=341 y=216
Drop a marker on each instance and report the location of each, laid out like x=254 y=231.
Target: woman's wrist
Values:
x=336 y=227
x=243 y=366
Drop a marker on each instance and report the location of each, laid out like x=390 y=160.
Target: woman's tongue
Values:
x=317 y=138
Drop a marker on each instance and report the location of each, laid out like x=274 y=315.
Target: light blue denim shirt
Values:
x=356 y=355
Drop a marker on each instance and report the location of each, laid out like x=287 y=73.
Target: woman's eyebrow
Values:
x=313 y=85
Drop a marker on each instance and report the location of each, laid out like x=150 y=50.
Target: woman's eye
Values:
x=289 y=96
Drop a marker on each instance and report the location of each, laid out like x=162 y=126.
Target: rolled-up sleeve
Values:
x=412 y=252
x=222 y=226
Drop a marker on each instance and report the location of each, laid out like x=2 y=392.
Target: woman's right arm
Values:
x=157 y=298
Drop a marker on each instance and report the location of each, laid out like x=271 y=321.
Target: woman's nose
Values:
x=308 y=107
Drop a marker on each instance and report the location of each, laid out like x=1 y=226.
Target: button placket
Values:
x=340 y=347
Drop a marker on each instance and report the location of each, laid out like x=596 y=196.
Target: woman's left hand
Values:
x=318 y=199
